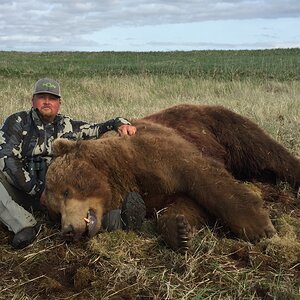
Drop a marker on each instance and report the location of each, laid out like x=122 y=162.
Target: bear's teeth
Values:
x=91 y=225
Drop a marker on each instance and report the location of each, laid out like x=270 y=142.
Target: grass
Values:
x=262 y=85
x=278 y=64
x=272 y=104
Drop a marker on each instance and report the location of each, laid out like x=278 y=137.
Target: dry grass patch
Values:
x=125 y=265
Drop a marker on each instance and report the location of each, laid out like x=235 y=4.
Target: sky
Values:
x=148 y=25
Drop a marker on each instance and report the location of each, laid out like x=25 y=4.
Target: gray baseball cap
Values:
x=48 y=86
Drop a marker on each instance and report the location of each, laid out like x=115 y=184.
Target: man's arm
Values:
x=87 y=131
x=11 y=160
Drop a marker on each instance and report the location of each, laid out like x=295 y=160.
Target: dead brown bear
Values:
x=192 y=159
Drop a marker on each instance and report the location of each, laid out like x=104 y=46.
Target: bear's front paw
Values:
x=175 y=231
x=256 y=229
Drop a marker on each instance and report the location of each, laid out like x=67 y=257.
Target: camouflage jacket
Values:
x=24 y=137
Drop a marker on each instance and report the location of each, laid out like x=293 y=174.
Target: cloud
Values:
x=219 y=46
x=53 y=24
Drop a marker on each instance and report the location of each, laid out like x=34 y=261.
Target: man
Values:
x=25 y=153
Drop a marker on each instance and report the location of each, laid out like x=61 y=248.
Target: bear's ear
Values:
x=62 y=146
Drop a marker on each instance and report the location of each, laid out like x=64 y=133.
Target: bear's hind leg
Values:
x=259 y=157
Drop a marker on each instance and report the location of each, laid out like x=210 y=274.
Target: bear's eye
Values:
x=66 y=193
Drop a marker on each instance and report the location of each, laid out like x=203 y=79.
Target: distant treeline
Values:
x=277 y=64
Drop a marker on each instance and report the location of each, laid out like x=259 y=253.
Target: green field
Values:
x=275 y=64
x=263 y=85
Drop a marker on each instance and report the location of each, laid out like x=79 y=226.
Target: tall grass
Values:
x=274 y=105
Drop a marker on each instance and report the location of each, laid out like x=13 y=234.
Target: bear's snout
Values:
x=68 y=232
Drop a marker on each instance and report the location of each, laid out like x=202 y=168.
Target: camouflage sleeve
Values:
x=87 y=131
x=11 y=160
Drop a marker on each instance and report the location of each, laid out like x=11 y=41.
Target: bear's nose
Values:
x=68 y=232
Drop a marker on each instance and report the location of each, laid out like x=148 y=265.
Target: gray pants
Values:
x=12 y=214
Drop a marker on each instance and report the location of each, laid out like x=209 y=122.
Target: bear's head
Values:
x=76 y=191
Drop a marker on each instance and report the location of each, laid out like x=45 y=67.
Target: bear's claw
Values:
x=255 y=233
x=91 y=222
x=175 y=231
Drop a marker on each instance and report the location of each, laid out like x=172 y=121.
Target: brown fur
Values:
x=196 y=169
x=245 y=149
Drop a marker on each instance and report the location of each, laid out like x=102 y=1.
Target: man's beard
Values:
x=46 y=114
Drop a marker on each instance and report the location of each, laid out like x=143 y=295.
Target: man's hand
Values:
x=126 y=130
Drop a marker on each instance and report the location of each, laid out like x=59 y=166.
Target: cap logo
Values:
x=49 y=85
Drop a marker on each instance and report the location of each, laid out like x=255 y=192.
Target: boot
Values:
x=129 y=217
x=24 y=237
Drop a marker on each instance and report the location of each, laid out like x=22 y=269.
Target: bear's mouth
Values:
x=91 y=222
